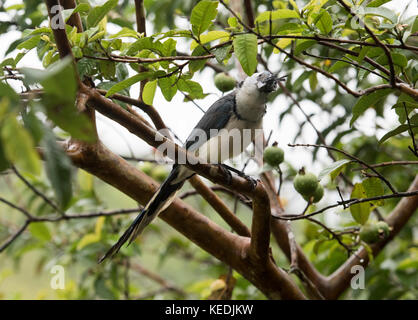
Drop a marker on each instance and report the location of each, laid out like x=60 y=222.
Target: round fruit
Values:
x=384 y=229
x=374 y=232
x=159 y=173
x=273 y=156
x=317 y=196
x=305 y=183
x=224 y=82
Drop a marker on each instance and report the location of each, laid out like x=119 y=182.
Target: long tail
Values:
x=159 y=202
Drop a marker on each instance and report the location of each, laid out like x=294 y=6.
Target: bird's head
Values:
x=264 y=82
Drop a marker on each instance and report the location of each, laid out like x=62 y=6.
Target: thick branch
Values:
x=225 y=246
x=75 y=19
x=61 y=39
x=212 y=198
x=140 y=17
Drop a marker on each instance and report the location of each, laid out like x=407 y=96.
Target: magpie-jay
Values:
x=242 y=109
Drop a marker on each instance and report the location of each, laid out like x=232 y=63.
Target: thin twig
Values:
x=36 y=191
x=389 y=163
x=348 y=61
x=380 y=176
x=414 y=150
x=376 y=40
x=347 y=203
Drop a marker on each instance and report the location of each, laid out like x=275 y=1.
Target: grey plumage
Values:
x=225 y=113
x=216 y=117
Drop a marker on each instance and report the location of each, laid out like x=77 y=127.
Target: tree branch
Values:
x=340 y=279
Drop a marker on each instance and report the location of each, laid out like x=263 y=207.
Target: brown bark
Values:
x=224 y=245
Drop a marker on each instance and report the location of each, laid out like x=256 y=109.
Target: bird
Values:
x=242 y=109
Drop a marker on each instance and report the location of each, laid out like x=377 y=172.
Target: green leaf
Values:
x=77 y=52
x=299 y=81
x=397 y=58
x=338 y=65
x=169 y=47
x=128 y=82
x=366 y=102
x=398 y=130
x=92 y=237
x=145 y=43
x=404 y=101
x=377 y=3
x=99 y=12
x=196 y=65
x=210 y=36
x=18 y=145
x=149 y=92
x=168 y=87
x=324 y=22
x=125 y=32
x=245 y=48
x=202 y=15
x=88 y=239
x=222 y=53
x=30 y=43
x=33 y=124
x=277 y=14
x=381 y=12
x=361 y=211
x=108 y=68
x=82 y=7
x=374 y=188
x=6 y=91
x=40 y=231
x=58 y=80
x=193 y=88
x=334 y=169
x=58 y=169
x=313 y=81
x=302 y=45
x=282 y=43
x=60 y=87
x=87 y=67
x=233 y=22
x=294 y=5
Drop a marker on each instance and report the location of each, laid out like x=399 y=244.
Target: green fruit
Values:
x=159 y=173
x=374 y=232
x=305 y=183
x=317 y=196
x=384 y=229
x=224 y=82
x=273 y=156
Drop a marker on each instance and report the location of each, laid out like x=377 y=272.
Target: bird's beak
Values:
x=282 y=78
x=271 y=83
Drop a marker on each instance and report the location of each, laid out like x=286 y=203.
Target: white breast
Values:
x=231 y=141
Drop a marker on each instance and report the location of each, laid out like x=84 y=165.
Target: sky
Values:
x=181 y=117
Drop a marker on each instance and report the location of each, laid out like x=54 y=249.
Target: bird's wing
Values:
x=216 y=117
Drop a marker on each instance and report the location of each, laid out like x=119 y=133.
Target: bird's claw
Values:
x=228 y=169
x=227 y=173
x=250 y=179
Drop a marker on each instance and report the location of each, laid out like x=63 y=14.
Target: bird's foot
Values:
x=227 y=173
x=250 y=179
